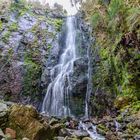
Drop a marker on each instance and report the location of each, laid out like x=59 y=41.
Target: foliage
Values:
x=22 y=7
x=57 y=23
x=32 y=74
x=13 y=27
x=1 y=25
x=6 y=36
x=133 y=20
x=116 y=27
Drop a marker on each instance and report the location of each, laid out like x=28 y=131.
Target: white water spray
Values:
x=91 y=130
x=56 y=101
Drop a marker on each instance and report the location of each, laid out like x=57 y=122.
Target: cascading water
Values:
x=56 y=101
x=91 y=129
x=89 y=84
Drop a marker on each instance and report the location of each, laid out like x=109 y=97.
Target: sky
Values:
x=71 y=10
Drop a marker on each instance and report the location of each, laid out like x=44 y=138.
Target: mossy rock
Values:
x=102 y=129
x=120 y=118
x=123 y=101
x=87 y=138
x=25 y=121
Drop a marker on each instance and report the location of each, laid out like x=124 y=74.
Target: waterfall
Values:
x=89 y=85
x=57 y=99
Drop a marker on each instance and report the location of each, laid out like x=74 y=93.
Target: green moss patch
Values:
x=32 y=75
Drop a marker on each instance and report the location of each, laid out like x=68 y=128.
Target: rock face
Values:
x=26 y=37
x=79 y=77
x=31 y=42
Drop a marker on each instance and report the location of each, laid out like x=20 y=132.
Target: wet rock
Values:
x=56 y=128
x=3 y=109
x=63 y=132
x=79 y=80
x=1 y=134
x=111 y=136
x=26 y=22
x=137 y=137
x=77 y=133
x=53 y=121
x=121 y=102
x=101 y=128
x=59 y=138
x=3 y=115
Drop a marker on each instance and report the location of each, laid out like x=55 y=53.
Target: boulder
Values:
x=137 y=137
x=25 y=120
x=1 y=134
x=56 y=128
x=87 y=138
x=53 y=121
x=3 y=115
x=77 y=133
x=123 y=101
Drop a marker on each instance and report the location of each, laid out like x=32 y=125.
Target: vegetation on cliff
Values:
x=116 y=27
x=116 y=78
x=27 y=33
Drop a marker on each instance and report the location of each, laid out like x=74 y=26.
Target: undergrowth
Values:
x=116 y=26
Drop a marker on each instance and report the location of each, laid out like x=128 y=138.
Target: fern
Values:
x=114 y=8
x=95 y=20
x=133 y=21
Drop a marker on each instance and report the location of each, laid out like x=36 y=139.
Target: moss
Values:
x=1 y=25
x=25 y=121
x=49 y=47
x=6 y=36
x=115 y=27
x=119 y=118
x=102 y=129
x=135 y=107
x=13 y=27
x=21 y=7
x=40 y=34
x=32 y=75
x=56 y=22
x=122 y=101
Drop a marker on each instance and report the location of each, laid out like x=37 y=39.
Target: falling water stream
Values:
x=58 y=96
x=56 y=102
